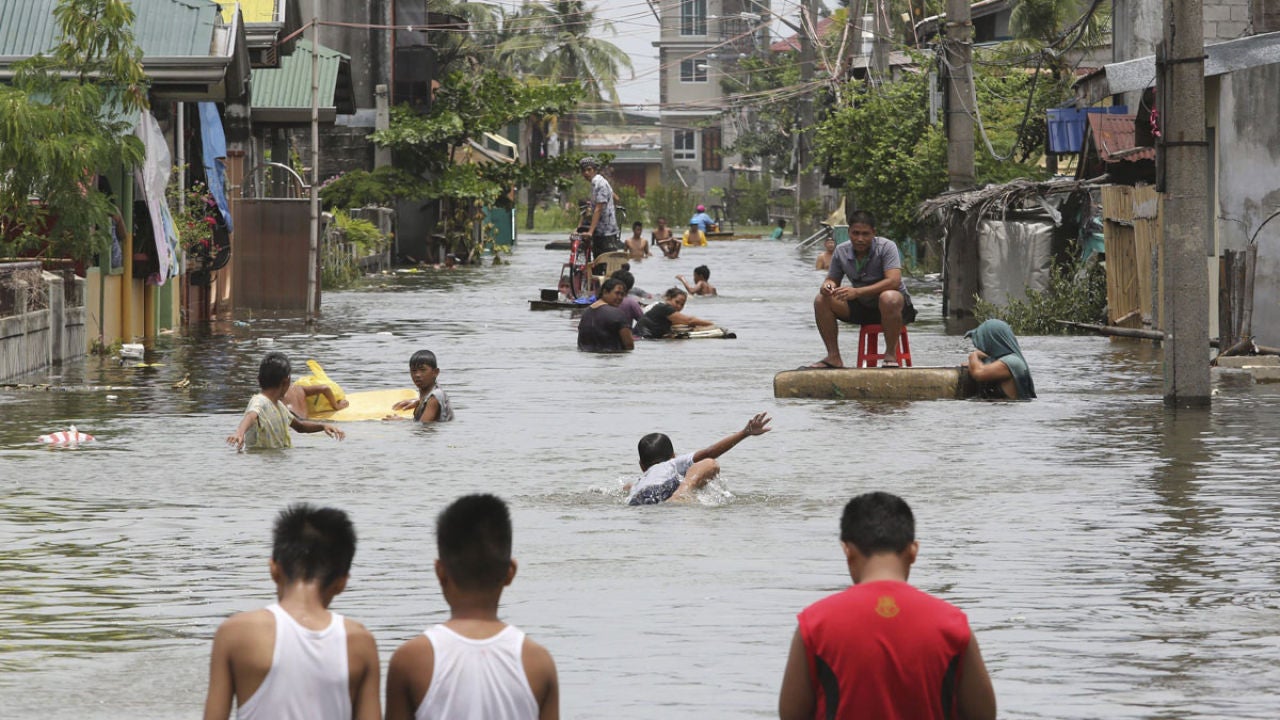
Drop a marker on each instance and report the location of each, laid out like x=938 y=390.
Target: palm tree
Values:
x=554 y=40
x=1057 y=26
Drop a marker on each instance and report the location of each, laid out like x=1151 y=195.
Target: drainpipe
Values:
x=126 y=281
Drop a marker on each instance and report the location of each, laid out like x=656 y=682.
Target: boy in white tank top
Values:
x=473 y=667
x=296 y=660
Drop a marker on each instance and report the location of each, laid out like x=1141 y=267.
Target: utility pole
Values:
x=960 y=275
x=880 y=43
x=957 y=58
x=1182 y=171
x=806 y=180
x=313 y=250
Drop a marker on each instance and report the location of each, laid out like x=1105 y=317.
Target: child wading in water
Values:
x=267 y=420
x=433 y=403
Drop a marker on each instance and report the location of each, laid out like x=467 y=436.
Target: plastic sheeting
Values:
x=151 y=184
x=1016 y=256
x=214 y=141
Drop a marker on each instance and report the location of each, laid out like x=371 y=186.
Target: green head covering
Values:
x=995 y=338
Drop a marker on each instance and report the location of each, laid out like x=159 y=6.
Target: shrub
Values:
x=1077 y=292
x=673 y=202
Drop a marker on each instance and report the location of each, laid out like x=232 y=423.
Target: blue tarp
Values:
x=1066 y=126
x=215 y=148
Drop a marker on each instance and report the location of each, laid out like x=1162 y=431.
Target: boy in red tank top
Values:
x=883 y=649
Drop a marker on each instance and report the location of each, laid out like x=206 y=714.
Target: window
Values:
x=692 y=71
x=686 y=145
x=693 y=17
x=712 y=159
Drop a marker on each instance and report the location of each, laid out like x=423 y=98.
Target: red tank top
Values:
x=884 y=650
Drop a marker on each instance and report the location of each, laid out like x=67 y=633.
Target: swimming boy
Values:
x=637 y=248
x=474 y=666
x=433 y=403
x=267 y=420
x=700 y=286
x=295 y=659
x=667 y=477
x=882 y=648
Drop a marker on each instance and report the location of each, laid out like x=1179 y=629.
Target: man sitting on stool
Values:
x=875 y=295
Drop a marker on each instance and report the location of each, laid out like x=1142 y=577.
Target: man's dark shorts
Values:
x=869 y=314
x=601 y=244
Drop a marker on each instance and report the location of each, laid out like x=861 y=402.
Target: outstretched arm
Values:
x=310 y=426
x=327 y=392
x=682 y=319
x=246 y=422
x=691 y=289
x=757 y=425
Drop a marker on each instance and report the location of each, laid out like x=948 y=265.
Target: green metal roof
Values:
x=288 y=87
x=162 y=28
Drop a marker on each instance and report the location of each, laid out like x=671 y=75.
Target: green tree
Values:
x=558 y=40
x=1045 y=31
x=891 y=158
x=66 y=117
x=466 y=106
x=758 y=94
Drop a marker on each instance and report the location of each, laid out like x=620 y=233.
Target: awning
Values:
x=1140 y=73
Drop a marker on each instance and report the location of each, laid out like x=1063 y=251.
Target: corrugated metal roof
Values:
x=254 y=11
x=162 y=28
x=1114 y=137
x=289 y=86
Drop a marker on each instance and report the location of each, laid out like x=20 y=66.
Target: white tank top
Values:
x=478 y=679
x=309 y=678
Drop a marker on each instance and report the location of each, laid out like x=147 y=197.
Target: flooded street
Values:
x=1116 y=560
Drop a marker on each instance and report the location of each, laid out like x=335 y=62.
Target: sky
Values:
x=636 y=28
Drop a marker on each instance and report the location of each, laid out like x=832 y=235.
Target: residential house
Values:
x=190 y=54
x=1242 y=94
x=699 y=45
x=633 y=139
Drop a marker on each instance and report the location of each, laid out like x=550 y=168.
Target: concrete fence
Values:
x=42 y=318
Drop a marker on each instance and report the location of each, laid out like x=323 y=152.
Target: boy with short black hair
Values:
x=296 y=660
x=267 y=419
x=701 y=282
x=474 y=666
x=667 y=477
x=882 y=648
x=433 y=403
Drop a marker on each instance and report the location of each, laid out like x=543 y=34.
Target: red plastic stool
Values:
x=869 y=353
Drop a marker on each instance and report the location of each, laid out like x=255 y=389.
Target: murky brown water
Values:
x=1116 y=560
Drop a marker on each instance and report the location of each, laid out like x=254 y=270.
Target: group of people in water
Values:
x=852 y=653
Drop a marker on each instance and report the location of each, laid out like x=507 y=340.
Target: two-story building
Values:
x=699 y=46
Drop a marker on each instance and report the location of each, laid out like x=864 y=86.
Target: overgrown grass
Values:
x=1076 y=292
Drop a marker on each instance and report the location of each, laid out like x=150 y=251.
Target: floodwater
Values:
x=1116 y=559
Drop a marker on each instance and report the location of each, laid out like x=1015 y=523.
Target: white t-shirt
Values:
x=662 y=473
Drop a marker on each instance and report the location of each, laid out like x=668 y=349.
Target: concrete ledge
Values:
x=1243 y=361
x=916 y=383
x=1265 y=374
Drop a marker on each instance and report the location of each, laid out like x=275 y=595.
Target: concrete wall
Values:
x=1248 y=149
x=367 y=48
x=31 y=340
